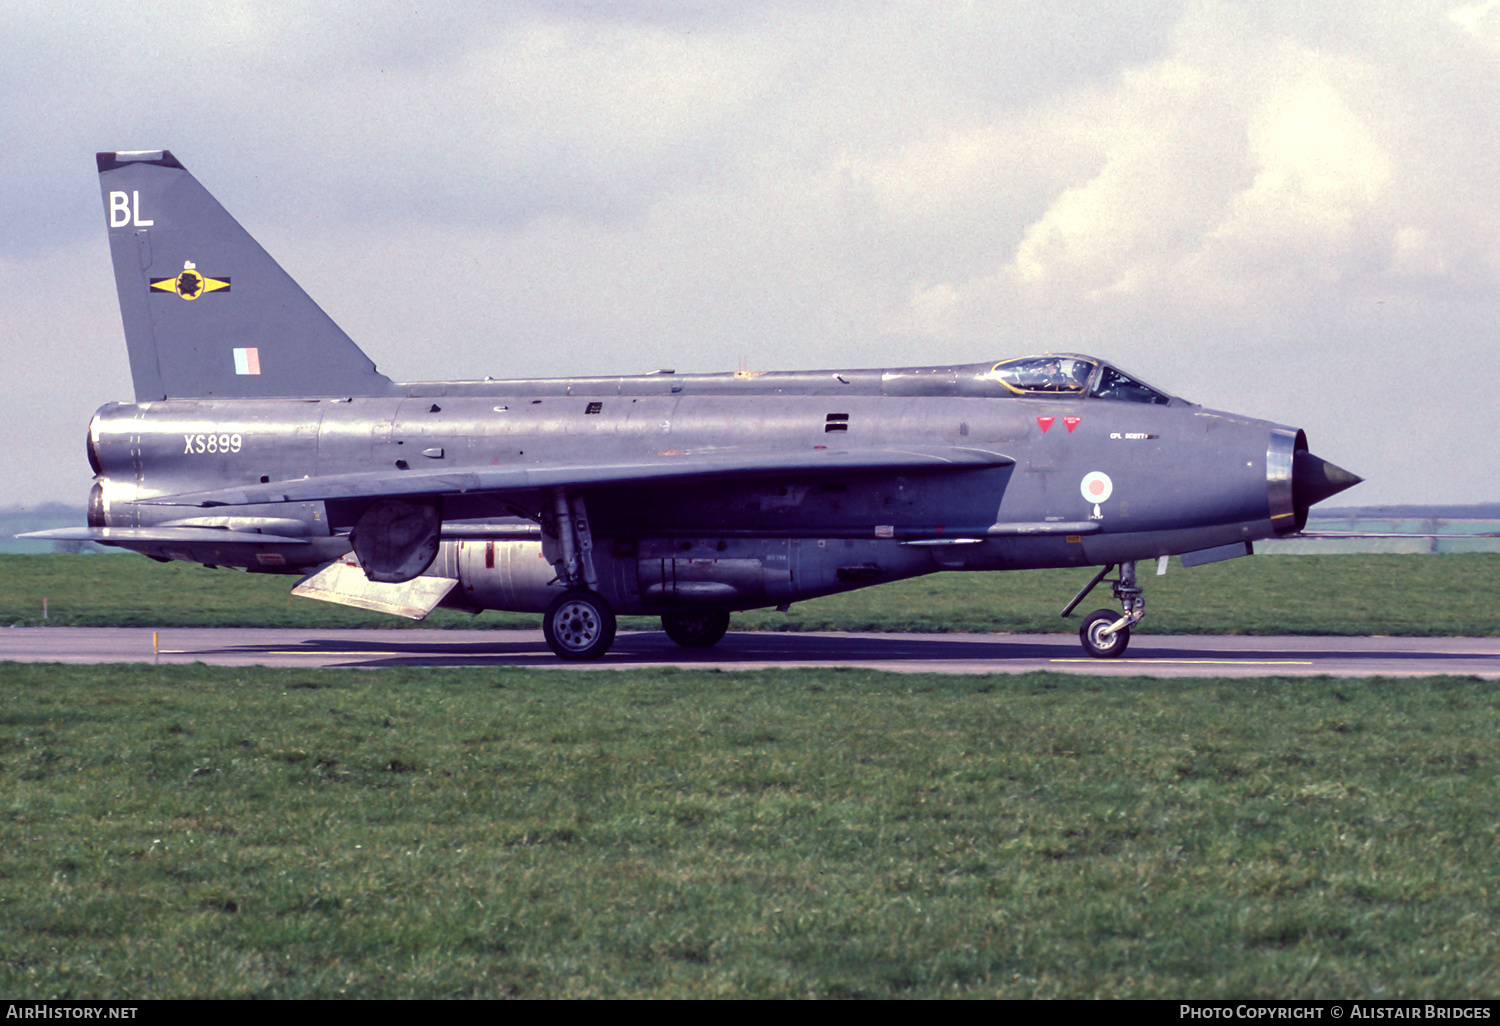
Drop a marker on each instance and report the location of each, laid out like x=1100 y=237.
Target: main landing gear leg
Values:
x=579 y=624
x=1104 y=633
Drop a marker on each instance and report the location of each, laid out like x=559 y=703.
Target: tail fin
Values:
x=207 y=312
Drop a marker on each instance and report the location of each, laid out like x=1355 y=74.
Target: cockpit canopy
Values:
x=1066 y=374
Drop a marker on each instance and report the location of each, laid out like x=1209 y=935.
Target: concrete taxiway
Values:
x=1148 y=655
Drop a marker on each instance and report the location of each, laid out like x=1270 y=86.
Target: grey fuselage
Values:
x=1088 y=480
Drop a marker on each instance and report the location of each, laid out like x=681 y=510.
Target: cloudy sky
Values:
x=1285 y=208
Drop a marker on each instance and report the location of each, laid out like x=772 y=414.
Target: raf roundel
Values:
x=1096 y=486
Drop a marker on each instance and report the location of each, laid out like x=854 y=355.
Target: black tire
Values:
x=701 y=628
x=579 y=625
x=1100 y=646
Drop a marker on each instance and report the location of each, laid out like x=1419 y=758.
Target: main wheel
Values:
x=579 y=625
x=1096 y=642
x=701 y=628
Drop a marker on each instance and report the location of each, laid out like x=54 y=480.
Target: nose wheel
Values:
x=1105 y=633
x=1100 y=637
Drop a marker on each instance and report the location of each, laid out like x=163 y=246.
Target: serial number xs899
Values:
x=195 y=444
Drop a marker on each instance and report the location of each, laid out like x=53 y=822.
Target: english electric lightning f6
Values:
x=262 y=437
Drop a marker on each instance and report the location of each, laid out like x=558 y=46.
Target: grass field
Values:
x=1371 y=594
x=212 y=832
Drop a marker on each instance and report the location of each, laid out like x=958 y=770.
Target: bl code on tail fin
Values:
x=207 y=312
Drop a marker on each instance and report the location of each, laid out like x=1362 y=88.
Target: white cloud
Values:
x=1481 y=20
x=1318 y=166
x=1223 y=167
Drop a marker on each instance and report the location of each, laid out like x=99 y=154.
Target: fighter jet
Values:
x=261 y=437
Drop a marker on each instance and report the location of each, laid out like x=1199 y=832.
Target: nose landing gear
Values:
x=1105 y=634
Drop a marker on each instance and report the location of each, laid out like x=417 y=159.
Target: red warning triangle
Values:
x=1071 y=422
x=1044 y=423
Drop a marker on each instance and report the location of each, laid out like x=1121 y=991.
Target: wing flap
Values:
x=210 y=545
x=164 y=535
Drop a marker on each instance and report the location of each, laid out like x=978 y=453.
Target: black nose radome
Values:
x=1315 y=479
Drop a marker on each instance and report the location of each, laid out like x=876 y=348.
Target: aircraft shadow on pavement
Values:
x=754 y=648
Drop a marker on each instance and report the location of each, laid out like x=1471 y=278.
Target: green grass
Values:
x=1368 y=594
x=190 y=831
